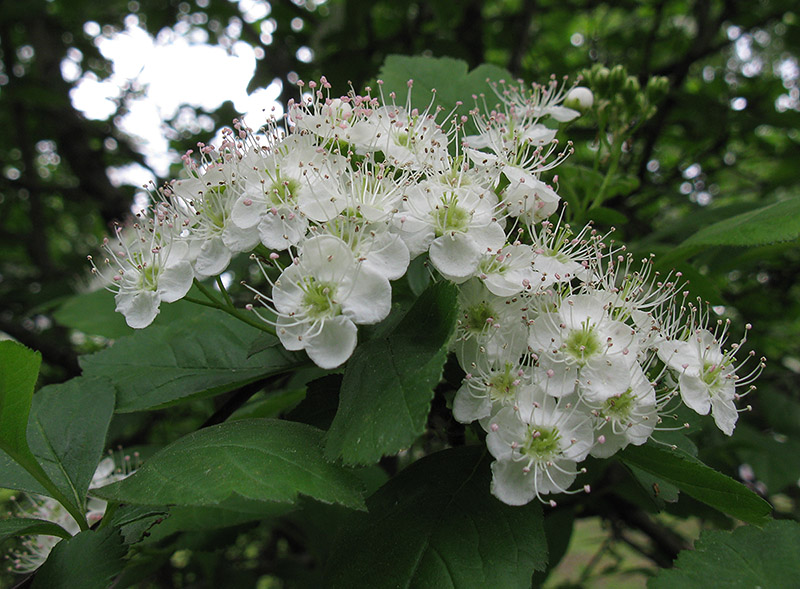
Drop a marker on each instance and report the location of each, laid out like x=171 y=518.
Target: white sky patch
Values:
x=172 y=70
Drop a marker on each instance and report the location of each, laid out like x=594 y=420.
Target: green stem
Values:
x=228 y=308
x=616 y=154
x=224 y=292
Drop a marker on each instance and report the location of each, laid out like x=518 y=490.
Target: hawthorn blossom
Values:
x=536 y=445
x=321 y=297
x=148 y=264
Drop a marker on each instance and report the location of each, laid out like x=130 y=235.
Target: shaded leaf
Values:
x=265 y=460
x=388 y=383
x=699 y=481
x=27 y=526
x=450 y=77
x=90 y=560
x=436 y=525
x=203 y=355
x=745 y=558
x=779 y=221
x=19 y=369
x=67 y=435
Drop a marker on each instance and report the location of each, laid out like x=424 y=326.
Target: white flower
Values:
x=582 y=333
x=489 y=326
x=207 y=201
x=627 y=418
x=285 y=186
x=489 y=384
x=579 y=98
x=537 y=445
x=528 y=197
x=321 y=297
x=509 y=270
x=148 y=264
x=406 y=138
x=707 y=376
x=457 y=225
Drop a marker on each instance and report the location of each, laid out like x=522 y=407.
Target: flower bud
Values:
x=580 y=98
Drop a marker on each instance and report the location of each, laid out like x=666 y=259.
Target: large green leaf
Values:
x=19 y=369
x=745 y=558
x=95 y=313
x=388 y=383
x=67 y=434
x=699 y=481
x=26 y=526
x=90 y=560
x=436 y=525
x=203 y=355
x=254 y=459
x=450 y=77
x=779 y=221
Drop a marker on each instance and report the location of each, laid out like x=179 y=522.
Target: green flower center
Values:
x=449 y=217
x=541 y=443
x=213 y=207
x=148 y=277
x=502 y=384
x=711 y=374
x=282 y=191
x=582 y=343
x=318 y=299
x=477 y=316
x=619 y=407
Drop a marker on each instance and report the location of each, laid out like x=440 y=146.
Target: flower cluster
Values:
x=569 y=348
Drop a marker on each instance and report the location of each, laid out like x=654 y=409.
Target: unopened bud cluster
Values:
x=569 y=348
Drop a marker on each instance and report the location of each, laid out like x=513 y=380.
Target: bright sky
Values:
x=171 y=71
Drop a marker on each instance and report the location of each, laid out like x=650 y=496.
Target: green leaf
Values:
x=745 y=558
x=436 y=525
x=450 y=77
x=558 y=527
x=19 y=369
x=699 y=481
x=94 y=313
x=388 y=383
x=90 y=560
x=67 y=435
x=26 y=526
x=197 y=519
x=255 y=459
x=204 y=355
x=779 y=221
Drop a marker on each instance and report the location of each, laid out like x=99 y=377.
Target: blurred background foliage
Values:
x=724 y=140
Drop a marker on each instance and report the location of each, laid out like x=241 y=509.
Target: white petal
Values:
x=213 y=258
x=367 y=296
x=281 y=230
x=388 y=256
x=247 y=215
x=139 y=308
x=511 y=484
x=468 y=407
x=694 y=393
x=334 y=344
x=606 y=376
x=174 y=282
x=237 y=239
x=291 y=333
x=725 y=414
x=455 y=255
x=327 y=258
